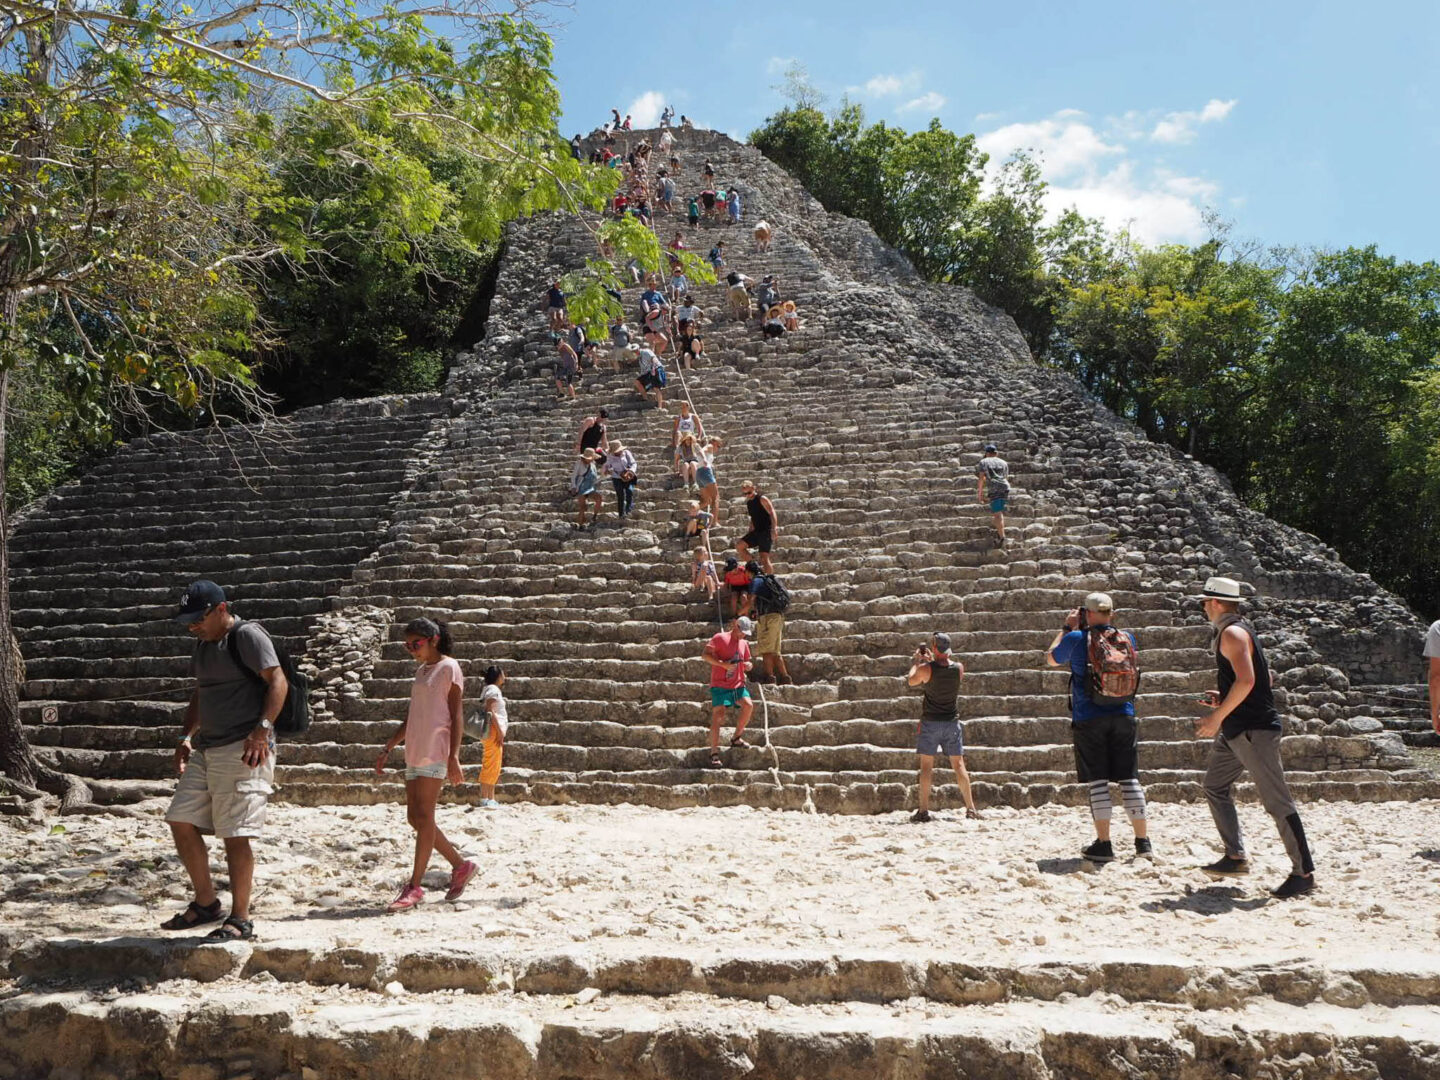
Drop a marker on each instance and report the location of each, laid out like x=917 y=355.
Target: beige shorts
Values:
x=218 y=793
x=767 y=637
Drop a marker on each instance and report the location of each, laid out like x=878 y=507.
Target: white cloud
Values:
x=1106 y=170
x=1180 y=127
x=645 y=110
x=929 y=102
x=887 y=86
x=1065 y=143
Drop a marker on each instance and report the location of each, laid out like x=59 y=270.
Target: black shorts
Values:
x=1106 y=748
x=760 y=541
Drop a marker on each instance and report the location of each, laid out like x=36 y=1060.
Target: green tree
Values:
x=140 y=214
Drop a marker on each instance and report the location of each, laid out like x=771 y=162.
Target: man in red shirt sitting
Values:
x=728 y=654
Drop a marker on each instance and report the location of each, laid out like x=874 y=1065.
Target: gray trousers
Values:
x=1258 y=753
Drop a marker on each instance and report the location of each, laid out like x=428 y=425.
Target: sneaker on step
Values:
x=920 y=816
x=1142 y=846
x=1294 y=885
x=409 y=897
x=489 y=804
x=459 y=878
x=1225 y=866
x=1099 y=851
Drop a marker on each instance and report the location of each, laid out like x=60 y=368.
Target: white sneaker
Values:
x=489 y=804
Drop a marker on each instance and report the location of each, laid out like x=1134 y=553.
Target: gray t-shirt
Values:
x=230 y=699
x=997 y=476
x=1432 y=640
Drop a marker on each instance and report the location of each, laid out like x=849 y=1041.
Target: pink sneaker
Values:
x=409 y=896
x=459 y=878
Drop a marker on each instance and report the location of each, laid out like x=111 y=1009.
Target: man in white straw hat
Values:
x=1247 y=729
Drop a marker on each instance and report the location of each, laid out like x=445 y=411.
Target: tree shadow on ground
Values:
x=1212 y=900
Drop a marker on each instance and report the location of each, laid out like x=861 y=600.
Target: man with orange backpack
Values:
x=1104 y=675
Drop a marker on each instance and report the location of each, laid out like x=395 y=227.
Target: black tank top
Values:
x=591 y=436
x=941 y=692
x=1257 y=712
x=760 y=519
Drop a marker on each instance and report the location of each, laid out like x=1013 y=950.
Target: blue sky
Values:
x=1314 y=123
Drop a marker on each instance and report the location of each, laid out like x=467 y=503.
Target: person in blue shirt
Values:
x=1105 y=736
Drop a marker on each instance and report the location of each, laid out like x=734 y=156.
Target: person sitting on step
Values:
x=774 y=325
x=692 y=345
x=687 y=423
x=687 y=460
x=432 y=732
x=737 y=581
x=697 y=520
x=790 y=316
x=702 y=572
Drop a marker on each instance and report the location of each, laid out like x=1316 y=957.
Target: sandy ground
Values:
x=1007 y=889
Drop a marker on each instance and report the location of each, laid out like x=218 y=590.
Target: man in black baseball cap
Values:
x=226 y=755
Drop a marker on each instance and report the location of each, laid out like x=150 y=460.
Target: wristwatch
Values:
x=266 y=725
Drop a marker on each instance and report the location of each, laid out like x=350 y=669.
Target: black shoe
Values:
x=920 y=816
x=1142 y=846
x=1227 y=867
x=1294 y=885
x=1099 y=851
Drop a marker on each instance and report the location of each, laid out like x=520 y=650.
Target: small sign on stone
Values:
x=50 y=715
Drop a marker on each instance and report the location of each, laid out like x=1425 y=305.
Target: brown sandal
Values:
x=738 y=743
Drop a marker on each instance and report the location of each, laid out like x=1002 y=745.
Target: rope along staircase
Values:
x=864 y=426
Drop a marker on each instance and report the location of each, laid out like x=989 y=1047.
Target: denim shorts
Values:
x=940 y=737
x=425 y=772
x=704 y=476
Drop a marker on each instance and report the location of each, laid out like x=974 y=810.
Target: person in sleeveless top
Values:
x=1246 y=727
x=939 y=729
x=764 y=527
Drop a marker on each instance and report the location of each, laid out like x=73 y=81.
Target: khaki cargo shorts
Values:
x=218 y=793
x=767 y=641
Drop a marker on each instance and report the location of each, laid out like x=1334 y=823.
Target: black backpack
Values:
x=294 y=716
x=772 y=596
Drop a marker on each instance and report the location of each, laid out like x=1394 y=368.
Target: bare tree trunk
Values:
x=17 y=759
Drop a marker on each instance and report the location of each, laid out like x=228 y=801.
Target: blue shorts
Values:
x=997 y=506
x=720 y=697
x=941 y=737
x=704 y=476
x=429 y=772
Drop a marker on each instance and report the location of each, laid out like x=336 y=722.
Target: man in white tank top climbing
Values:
x=1246 y=728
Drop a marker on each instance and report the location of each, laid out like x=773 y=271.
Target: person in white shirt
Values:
x=497 y=723
x=1432 y=654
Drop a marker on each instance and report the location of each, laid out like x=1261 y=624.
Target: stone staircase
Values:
x=864 y=427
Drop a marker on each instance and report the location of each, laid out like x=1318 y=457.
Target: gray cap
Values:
x=1099 y=601
x=942 y=642
x=744 y=625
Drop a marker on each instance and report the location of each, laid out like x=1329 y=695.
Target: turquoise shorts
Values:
x=721 y=697
x=997 y=506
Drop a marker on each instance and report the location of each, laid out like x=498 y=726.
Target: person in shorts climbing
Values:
x=764 y=527
x=993 y=487
x=728 y=654
x=226 y=756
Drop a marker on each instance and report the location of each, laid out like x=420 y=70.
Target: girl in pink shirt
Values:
x=432 y=733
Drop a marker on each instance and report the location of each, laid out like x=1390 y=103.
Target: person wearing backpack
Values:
x=770 y=601
x=226 y=756
x=1104 y=676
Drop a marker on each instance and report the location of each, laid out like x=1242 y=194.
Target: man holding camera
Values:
x=1246 y=728
x=939 y=730
x=1102 y=717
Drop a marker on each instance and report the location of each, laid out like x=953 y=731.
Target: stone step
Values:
x=550 y=1037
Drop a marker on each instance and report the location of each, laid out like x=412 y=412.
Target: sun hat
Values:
x=1221 y=588
x=589 y=455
